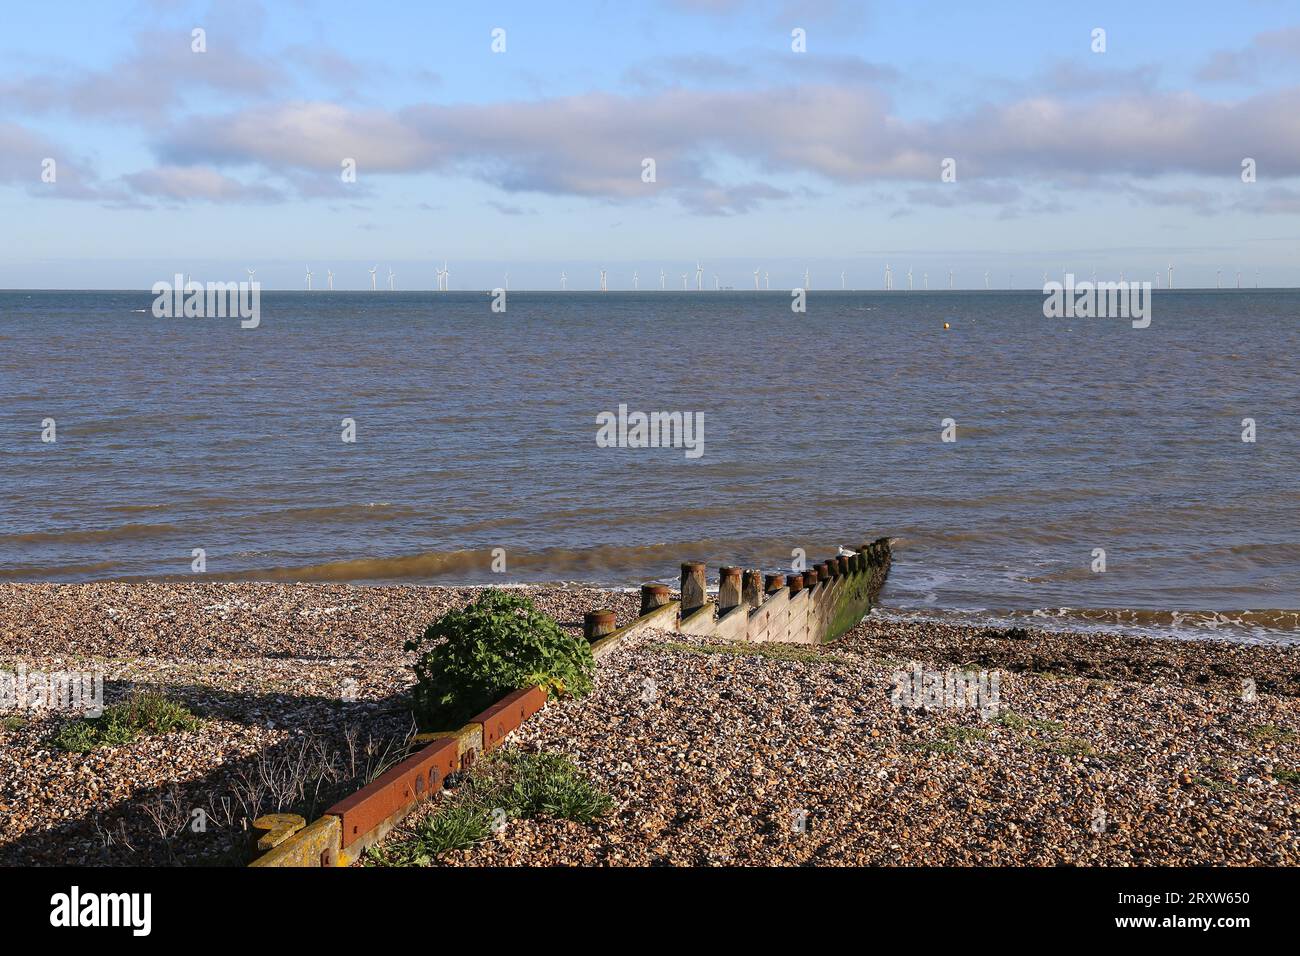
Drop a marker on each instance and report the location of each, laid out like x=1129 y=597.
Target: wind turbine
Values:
x=986 y=279
x=889 y=278
x=842 y=286
x=683 y=281
x=949 y=278
x=1044 y=280
x=446 y=277
x=807 y=279
x=717 y=286
x=564 y=280
x=662 y=279
x=604 y=286
x=507 y=286
x=329 y=273
x=372 y=278
x=442 y=277
x=1238 y=278
x=309 y=278
x=391 y=276
x=909 y=278
x=1170 y=284
x=636 y=281
x=1218 y=278
x=767 y=280
x=250 y=272
x=925 y=278
x=699 y=277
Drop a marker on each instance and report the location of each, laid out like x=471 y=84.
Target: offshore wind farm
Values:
x=860 y=279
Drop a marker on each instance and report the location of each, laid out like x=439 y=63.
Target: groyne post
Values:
x=692 y=587
x=653 y=596
x=728 y=588
x=596 y=624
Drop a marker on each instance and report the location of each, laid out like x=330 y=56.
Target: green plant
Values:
x=144 y=712
x=1009 y=718
x=1017 y=722
x=507 y=785
x=1070 y=746
x=500 y=643
x=931 y=746
x=963 y=733
x=1270 y=732
x=456 y=827
x=550 y=785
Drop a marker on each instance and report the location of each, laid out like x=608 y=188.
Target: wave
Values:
x=1269 y=618
x=600 y=564
x=121 y=532
x=32 y=572
x=1274 y=555
x=316 y=514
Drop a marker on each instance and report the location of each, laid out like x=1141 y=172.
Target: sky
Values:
x=529 y=159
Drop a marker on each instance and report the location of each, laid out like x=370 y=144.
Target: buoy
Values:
x=945 y=325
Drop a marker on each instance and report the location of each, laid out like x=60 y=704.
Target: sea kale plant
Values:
x=472 y=657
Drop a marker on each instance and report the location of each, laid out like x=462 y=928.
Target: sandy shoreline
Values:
x=1155 y=733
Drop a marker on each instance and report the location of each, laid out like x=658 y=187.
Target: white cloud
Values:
x=186 y=183
x=593 y=144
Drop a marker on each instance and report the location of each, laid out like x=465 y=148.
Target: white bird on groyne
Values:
x=845 y=552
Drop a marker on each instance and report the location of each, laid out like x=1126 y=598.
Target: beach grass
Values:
x=143 y=713
x=966 y=734
x=1271 y=734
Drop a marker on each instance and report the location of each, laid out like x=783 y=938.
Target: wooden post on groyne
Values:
x=811 y=606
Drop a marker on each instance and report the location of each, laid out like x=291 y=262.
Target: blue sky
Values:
x=529 y=161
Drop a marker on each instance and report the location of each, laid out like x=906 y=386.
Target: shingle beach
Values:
x=1104 y=749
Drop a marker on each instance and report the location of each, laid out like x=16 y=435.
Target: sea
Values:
x=1076 y=473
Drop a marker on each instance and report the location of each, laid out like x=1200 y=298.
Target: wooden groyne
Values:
x=811 y=606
